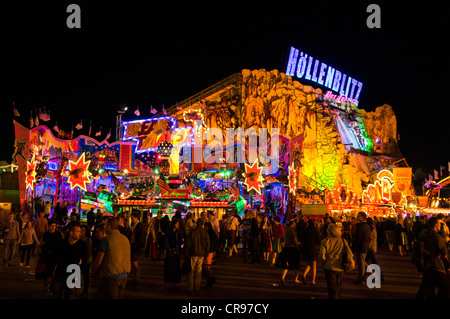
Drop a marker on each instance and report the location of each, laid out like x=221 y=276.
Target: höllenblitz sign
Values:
x=302 y=66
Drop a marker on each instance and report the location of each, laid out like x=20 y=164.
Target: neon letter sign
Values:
x=323 y=75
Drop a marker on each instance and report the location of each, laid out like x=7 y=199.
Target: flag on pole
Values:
x=31 y=120
x=441 y=170
x=152 y=110
x=56 y=128
x=36 y=119
x=90 y=128
x=99 y=132
x=163 y=185
x=179 y=107
x=71 y=133
x=43 y=115
x=79 y=125
x=436 y=175
x=108 y=135
x=137 y=113
x=164 y=110
x=16 y=113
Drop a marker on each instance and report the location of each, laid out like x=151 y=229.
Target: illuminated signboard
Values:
x=302 y=66
x=381 y=190
x=149 y=133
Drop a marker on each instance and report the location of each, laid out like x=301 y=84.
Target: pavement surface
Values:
x=235 y=279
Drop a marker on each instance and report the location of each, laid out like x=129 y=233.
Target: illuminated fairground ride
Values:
x=326 y=153
x=437 y=197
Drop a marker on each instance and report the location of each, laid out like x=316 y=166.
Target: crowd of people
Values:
x=108 y=249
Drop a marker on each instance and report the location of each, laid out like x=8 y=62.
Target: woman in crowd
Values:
x=266 y=238
x=172 y=262
x=310 y=247
x=289 y=258
x=207 y=263
x=278 y=237
x=27 y=239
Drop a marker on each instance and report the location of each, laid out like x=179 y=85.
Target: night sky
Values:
x=155 y=54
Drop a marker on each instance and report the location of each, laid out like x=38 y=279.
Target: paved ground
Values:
x=239 y=281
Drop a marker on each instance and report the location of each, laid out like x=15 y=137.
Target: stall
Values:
x=139 y=204
x=218 y=206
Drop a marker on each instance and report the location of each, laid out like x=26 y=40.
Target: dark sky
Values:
x=154 y=54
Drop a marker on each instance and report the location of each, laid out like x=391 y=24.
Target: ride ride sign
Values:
x=301 y=65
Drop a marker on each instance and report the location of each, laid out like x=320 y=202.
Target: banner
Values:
x=402 y=178
x=20 y=157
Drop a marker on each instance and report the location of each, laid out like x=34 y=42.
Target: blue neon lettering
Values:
x=302 y=65
x=329 y=78
x=314 y=76
x=293 y=56
x=323 y=66
x=337 y=81
x=308 y=68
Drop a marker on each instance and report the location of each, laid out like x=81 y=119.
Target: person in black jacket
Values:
x=360 y=245
x=137 y=242
x=435 y=273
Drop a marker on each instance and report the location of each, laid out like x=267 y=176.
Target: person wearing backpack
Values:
x=435 y=262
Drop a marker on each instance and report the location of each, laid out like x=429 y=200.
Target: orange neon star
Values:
x=79 y=174
x=30 y=178
x=292 y=179
x=253 y=177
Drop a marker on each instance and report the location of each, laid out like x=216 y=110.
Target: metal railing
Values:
x=233 y=79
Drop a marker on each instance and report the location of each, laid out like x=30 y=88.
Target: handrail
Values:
x=232 y=79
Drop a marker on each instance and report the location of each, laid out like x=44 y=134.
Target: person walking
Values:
x=331 y=253
x=435 y=262
x=151 y=248
x=289 y=258
x=90 y=218
x=401 y=237
x=310 y=241
x=207 y=263
x=360 y=246
x=112 y=262
x=371 y=256
x=40 y=226
x=137 y=242
x=232 y=227
x=278 y=238
x=266 y=238
x=11 y=236
x=172 y=262
x=196 y=249
x=86 y=267
x=49 y=247
x=72 y=251
x=254 y=239
x=27 y=239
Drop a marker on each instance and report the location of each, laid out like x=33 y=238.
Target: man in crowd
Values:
x=436 y=262
x=11 y=235
x=360 y=245
x=196 y=249
x=71 y=251
x=112 y=262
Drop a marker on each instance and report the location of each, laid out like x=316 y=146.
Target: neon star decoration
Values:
x=79 y=173
x=292 y=179
x=30 y=178
x=253 y=177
